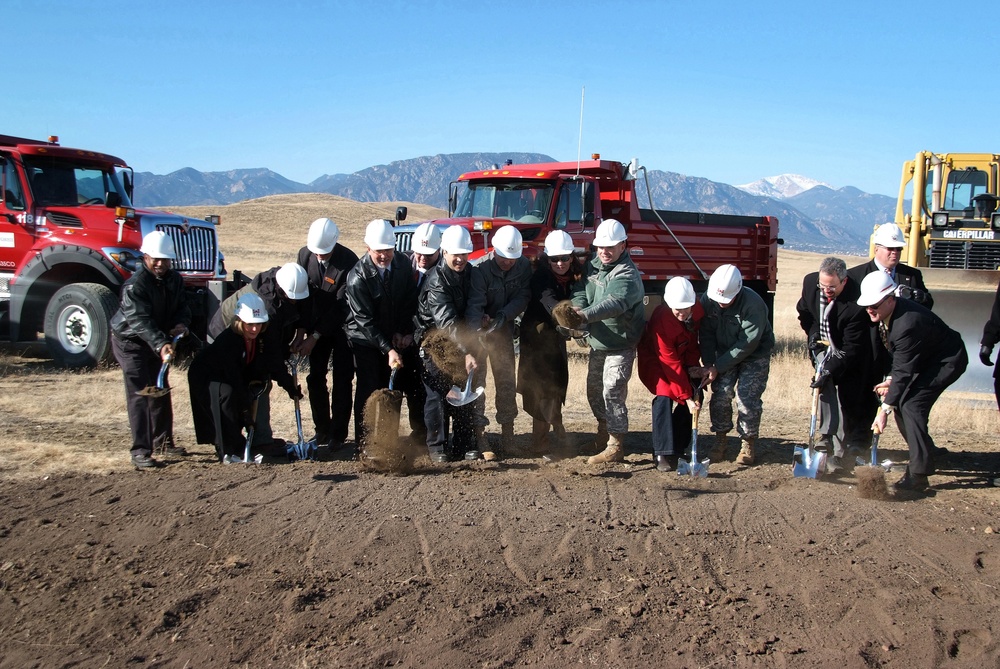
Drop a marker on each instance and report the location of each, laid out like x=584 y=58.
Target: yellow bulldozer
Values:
x=952 y=233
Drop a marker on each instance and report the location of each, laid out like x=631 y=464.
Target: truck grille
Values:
x=404 y=241
x=195 y=248
x=965 y=255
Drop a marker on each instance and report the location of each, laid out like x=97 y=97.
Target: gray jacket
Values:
x=494 y=292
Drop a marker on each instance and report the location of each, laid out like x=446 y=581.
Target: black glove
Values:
x=815 y=345
x=985 y=351
x=818 y=381
x=295 y=393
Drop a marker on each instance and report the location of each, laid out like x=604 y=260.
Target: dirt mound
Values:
x=872 y=483
x=566 y=316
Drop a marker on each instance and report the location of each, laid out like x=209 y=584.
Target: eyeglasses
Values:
x=828 y=289
x=875 y=307
x=558 y=259
x=890 y=249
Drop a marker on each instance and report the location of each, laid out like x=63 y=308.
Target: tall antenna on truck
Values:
x=579 y=142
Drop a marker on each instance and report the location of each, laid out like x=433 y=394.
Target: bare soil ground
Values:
x=513 y=563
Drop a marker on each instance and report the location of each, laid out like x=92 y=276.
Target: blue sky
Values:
x=842 y=92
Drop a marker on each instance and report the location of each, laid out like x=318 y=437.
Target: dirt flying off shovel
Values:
x=457 y=397
x=809 y=462
x=161 y=389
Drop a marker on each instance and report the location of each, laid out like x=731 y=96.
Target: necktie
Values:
x=883 y=332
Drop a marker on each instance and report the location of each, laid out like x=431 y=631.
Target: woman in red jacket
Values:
x=668 y=359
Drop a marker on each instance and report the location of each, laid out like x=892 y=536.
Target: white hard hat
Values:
x=679 y=293
x=158 y=245
x=507 y=242
x=293 y=280
x=559 y=243
x=456 y=240
x=874 y=288
x=725 y=284
x=426 y=239
x=250 y=309
x=610 y=233
x=379 y=235
x=890 y=236
x=323 y=236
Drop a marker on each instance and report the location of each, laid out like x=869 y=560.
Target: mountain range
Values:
x=813 y=216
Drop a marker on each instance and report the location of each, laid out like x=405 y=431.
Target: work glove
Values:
x=495 y=324
x=818 y=381
x=295 y=393
x=816 y=346
x=985 y=351
x=915 y=294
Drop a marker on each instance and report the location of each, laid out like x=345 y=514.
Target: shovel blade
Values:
x=693 y=469
x=808 y=462
x=458 y=397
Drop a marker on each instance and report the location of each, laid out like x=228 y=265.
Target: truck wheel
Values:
x=78 y=324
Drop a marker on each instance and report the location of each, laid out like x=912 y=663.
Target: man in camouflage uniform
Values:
x=736 y=344
x=610 y=300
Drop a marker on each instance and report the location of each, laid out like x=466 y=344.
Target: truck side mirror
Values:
x=127 y=182
x=452 y=198
x=588 y=219
x=400 y=214
x=112 y=199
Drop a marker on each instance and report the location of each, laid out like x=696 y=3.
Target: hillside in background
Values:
x=813 y=218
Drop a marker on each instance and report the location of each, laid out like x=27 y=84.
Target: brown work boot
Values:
x=718 y=452
x=615 y=451
x=746 y=456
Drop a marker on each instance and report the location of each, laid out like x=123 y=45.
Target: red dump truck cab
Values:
x=69 y=238
x=577 y=197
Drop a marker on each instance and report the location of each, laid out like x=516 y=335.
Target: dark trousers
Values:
x=331 y=410
x=858 y=405
x=216 y=414
x=671 y=429
x=437 y=411
x=373 y=374
x=150 y=418
x=915 y=409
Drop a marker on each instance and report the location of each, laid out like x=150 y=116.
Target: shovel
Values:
x=693 y=469
x=161 y=389
x=301 y=449
x=256 y=390
x=809 y=462
x=459 y=398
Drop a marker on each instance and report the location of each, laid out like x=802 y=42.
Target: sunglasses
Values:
x=560 y=258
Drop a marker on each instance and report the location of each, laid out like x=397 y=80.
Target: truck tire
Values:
x=78 y=324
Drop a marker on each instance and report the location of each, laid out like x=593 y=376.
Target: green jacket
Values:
x=611 y=299
x=739 y=332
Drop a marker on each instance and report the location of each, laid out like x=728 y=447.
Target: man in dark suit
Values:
x=991 y=335
x=925 y=357
x=889 y=243
x=828 y=311
x=327 y=263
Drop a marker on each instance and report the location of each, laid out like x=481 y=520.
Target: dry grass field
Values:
x=486 y=564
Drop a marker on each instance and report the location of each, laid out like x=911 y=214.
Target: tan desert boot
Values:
x=718 y=452
x=615 y=452
x=746 y=456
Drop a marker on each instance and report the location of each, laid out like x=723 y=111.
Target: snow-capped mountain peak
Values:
x=781 y=186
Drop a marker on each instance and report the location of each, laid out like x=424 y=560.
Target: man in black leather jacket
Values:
x=153 y=310
x=382 y=296
x=444 y=297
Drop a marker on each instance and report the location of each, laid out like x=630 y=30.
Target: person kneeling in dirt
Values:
x=925 y=357
x=543 y=372
x=736 y=345
x=382 y=296
x=499 y=293
x=610 y=300
x=219 y=380
x=153 y=310
x=282 y=290
x=440 y=320
x=668 y=357
x=837 y=329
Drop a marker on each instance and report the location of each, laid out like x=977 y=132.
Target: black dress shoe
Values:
x=912 y=482
x=141 y=461
x=666 y=463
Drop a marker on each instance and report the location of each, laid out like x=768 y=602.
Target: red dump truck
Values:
x=69 y=238
x=577 y=196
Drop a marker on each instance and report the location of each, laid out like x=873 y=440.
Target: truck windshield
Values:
x=962 y=187
x=521 y=201
x=59 y=182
